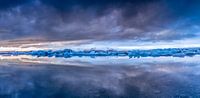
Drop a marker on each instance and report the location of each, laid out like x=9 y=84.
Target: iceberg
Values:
x=67 y=53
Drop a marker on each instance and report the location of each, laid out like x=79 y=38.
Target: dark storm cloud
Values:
x=97 y=19
x=98 y=5
x=5 y=4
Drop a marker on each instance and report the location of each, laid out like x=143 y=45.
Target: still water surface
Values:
x=101 y=77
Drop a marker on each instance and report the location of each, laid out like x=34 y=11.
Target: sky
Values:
x=123 y=24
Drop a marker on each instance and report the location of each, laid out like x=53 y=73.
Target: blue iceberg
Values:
x=67 y=53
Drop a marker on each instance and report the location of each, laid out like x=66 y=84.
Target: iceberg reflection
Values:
x=110 y=77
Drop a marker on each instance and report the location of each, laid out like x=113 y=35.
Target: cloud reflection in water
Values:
x=25 y=76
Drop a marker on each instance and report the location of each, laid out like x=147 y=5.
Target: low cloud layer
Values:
x=66 y=20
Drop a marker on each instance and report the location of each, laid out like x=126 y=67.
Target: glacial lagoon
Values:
x=26 y=76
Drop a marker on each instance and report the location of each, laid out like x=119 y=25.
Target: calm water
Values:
x=103 y=77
